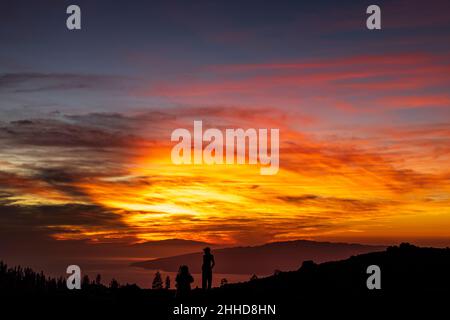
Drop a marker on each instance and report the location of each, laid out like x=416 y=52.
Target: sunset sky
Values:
x=86 y=118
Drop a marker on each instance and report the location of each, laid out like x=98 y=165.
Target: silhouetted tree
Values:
x=98 y=279
x=86 y=282
x=61 y=283
x=253 y=277
x=167 y=283
x=223 y=282
x=27 y=280
x=157 y=281
x=113 y=285
x=406 y=246
x=308 y=265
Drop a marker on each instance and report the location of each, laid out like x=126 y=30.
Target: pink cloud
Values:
x=299 y=83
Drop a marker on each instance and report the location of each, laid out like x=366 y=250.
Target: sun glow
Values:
x=208 y=201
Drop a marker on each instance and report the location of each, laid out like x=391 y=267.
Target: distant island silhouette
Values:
x=262 y=259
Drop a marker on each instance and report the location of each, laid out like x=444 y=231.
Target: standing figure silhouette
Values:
x=208 y=265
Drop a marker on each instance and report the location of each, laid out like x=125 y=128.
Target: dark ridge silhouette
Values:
x=405 y=268
x=413 y=279
x=264 y=259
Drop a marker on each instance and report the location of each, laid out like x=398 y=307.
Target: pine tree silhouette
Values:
x=254 y=277
x=167 y=283
x=113 y=285
x=157 y=281
x=86 y=282
x=98 y=280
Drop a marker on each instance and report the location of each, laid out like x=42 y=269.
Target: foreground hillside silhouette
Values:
x=411 y=277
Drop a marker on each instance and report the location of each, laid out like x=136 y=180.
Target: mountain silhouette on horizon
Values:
x=262 y=259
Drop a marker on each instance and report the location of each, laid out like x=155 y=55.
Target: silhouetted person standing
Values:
x=208 y=265
x=183 y=282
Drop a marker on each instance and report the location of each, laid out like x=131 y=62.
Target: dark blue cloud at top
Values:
x=201 y=32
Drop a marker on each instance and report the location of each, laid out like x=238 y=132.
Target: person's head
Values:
x=207 y=250
x=183 y=269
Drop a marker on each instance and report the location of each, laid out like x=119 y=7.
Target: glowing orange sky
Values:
x=328 y=187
